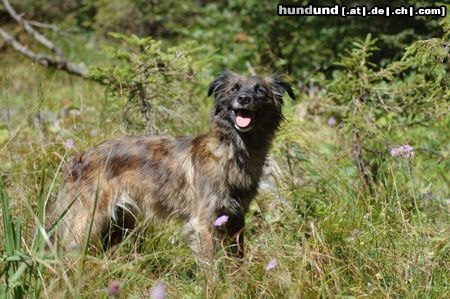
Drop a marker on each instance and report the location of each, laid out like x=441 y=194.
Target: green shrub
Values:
x=377 y=106
x=159 y=88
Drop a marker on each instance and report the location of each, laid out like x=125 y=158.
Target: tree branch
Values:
x=43 y=25
x=44 y=59
x=28 y=28
x=58 y=62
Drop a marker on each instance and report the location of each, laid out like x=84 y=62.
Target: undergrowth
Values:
x=329 y=236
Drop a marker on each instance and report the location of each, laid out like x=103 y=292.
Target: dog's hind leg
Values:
x=86 y=218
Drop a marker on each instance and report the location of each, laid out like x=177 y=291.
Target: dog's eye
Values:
x=235 y=88
x=260 y=90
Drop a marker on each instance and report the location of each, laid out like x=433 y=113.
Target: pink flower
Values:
x=69 y=143
x=158 y=291
x=332 y=122
x=114 y=289
x=271 y=264
x=221 y=220
x=404 y=151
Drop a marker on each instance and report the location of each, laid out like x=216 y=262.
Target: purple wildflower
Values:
x=332 y=121
x=221 y=220
x=271 y=264
x=158 y=291
x=69 y=143
x=403 y=151
x=114 y=289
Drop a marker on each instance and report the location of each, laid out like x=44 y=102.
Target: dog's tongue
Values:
x=243 y=119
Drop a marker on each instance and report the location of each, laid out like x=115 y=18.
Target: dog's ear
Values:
x=219 y=83
x=279 y=87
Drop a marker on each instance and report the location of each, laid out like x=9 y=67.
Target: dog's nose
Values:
x=243 y=99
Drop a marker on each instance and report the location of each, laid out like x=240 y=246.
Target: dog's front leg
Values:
x=233 y=235
x=199 y=232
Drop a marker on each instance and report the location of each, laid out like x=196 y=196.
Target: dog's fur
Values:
x=196 y=178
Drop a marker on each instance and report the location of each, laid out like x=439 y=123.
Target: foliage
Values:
x=305 y=46
x=432 y=55
x=328 y=235
x=45 y=9
x=159 y=84
x=377 y=105
x=141 y=17
x=22 y=265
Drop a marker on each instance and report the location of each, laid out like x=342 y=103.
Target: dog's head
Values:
x=248 y=102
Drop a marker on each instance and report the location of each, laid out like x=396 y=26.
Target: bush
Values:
x=160 y=86
x=378 y=106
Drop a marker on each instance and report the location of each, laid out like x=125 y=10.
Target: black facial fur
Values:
x=257 y=97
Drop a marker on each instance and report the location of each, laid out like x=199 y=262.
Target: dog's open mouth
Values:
x=243 y=119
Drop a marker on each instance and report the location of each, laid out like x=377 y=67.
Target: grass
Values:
x=329 y=237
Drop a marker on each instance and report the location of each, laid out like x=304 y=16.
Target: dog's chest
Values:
x=237 y=167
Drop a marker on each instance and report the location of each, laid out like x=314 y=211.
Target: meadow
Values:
x=318 y=228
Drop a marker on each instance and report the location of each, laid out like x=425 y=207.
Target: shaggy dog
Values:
x=196 y=178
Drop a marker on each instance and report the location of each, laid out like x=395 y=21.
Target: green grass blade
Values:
x=9 y=232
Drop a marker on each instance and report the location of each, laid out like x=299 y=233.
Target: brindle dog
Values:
x=196 y=178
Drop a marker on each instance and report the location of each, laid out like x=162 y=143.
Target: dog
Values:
x=198 y=179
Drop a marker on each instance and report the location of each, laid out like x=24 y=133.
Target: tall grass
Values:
x=329 y=237
x=23 y=262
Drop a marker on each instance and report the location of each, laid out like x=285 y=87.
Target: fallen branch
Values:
x=28 y=28
x=58 y=62
x=3 y=45
x=44 y=59
x=51 y=27
x=43 y=25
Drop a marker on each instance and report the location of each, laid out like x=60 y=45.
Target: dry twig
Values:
x=58 y=62
x=44 y=59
